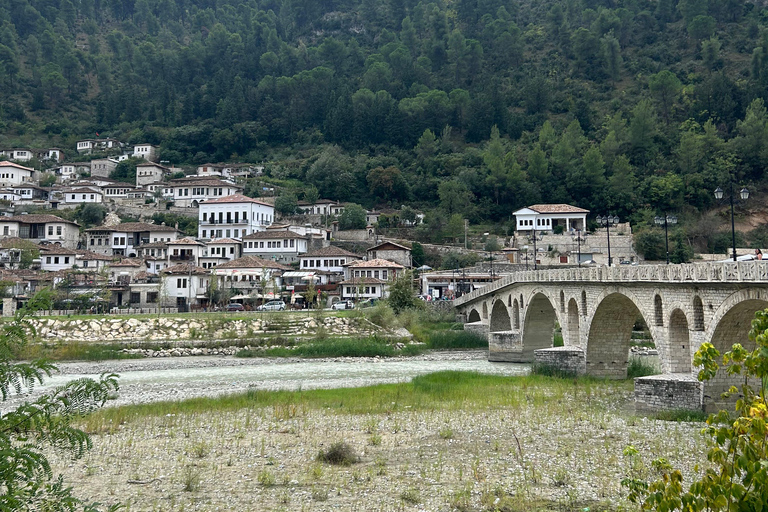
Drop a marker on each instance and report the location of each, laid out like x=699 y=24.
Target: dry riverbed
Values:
x=563 y=454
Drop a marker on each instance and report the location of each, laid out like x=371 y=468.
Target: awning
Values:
x=298 y=273
x=241 y=297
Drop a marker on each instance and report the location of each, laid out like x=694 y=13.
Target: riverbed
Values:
x=180 y=378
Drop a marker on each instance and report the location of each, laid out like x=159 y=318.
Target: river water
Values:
x=151 y=380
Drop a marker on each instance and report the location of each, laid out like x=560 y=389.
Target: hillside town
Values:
x=243 y=253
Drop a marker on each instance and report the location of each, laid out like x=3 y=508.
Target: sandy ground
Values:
x=564 y=456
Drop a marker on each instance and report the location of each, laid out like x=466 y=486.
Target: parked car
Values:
x=273 y=305
x=235 y=306
x=343 y=304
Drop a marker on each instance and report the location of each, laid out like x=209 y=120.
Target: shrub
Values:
x=455 y=340
x=641 y=367
x=339 y=454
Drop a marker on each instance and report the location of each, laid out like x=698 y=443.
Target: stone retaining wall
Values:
x=142 y=329
x=571 y=360
x=668 y=392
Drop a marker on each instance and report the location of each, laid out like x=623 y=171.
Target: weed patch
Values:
x=339 y=454
x=641 y=367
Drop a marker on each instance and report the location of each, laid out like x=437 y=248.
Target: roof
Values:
x=205 y=182
x=91 y=256
x=235 y=198
x=330 y=251
x=263 y=235
x=134 y=227
x=184 y=241
x=128 y=262
x=56 y=249
x=153 y=245
x=36 y=218
x=556 y=208
x=377 y=263
x=86 y=190
x=184 y=268
x=6 y=163
x=152 y=164
x=382 y=244
x=253 y=262
x=224 y=241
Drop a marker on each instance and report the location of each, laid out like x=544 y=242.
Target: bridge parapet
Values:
x=709 y=272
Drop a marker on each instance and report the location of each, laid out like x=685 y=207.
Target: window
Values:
x=304 y=263
x=261 y=245
x=376 y=274
x=152 y=297
x=181 y=283
x=55 y=260
x=99 y=241
x=66 y=260
x=50 y=229
x=373 y=289
x=85 y=264
x=367 y=289
x=58 y=230
x=384 y=275
x=135 y=297
x=204 y=233
x=47 y=259
x=291 y=243
x=237 y=232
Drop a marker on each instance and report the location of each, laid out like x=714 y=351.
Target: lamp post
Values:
x=744 y=193
x=535 y=255
x=665 y=221
x=578 y=241
x=608 y=221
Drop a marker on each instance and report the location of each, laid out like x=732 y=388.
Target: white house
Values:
x=185 y=285
x=10 y=194
x=545 y=217
x=150 y=173
x=369 y=279
x=233 y=216
x=145 y=151
x=391 y=251
x=250 y=274
x=190 y=192
x=91 y=260
x=210 y=170
x=328 y=259
x=220 y=251
x=283 y=246
x=81 y=195
x=20 y=155
x=41 y=228
x=12 y=174
x=68 y=172
x=57 y=258
x=124 y=239
x=184 y=250
x=117 y=190
x=88 y=146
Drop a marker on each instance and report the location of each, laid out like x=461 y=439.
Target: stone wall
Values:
x=565 y=359
x=668 y=392
x=196 y=329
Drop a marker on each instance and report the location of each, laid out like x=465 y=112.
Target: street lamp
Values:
x=744 y=193
x=608 y=221
x=578 y=240
x=665 y=221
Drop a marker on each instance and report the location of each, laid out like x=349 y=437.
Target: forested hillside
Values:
x=477 y=107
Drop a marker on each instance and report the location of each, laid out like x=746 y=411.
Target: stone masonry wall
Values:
x=153 y=329
x=565 y=359
x=668 y=392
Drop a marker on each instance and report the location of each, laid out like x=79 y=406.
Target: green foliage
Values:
x=48 y=179
x=401 y=295
x=126 y=170
x=30 y=429
x=442 y=340
x=458 y=260
x=353 y=217
x=286 y=204
x=737 y=476
x=187 y=225
x=90 y=214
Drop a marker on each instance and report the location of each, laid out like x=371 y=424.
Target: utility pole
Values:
x=466 y=226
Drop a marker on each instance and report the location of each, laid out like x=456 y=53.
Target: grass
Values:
x=73 y=351
x=641 y=367
x=442 y=340
x=681 y=415
x=339 y=454
x=336 y=347
x=440 y=391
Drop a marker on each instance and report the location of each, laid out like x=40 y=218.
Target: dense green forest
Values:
x=470 y=108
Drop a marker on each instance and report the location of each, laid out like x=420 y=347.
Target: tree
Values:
x=417 y=254
x=353 y=217
x=286 y=204
x=311 y=194
x=90 y=214
x=401 y=296
x=454 y=195
x=387 y=184
x=682 y=252
x=736 y=478
x=32 y=428
x=48 y=179
x=665 y=87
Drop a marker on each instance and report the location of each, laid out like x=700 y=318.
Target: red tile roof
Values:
x=235 y=198
x=557 y=208
x=263 y=235
x=253 y=262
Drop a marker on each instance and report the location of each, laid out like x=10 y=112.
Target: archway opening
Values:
x=539 y=325
x=733 y=328
x=698 y=314
x=584 y=303
x=516 y=314
x=485 y=310
x=573 y=323
x=679 y=349
x=562 y=301
x=658 y=311
x=474 y=316
x=500 y=317
x=610 y=333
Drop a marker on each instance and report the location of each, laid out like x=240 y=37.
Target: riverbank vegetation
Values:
x=445 y=441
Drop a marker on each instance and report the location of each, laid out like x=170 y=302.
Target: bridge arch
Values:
x=573 y=324
x=474 y=316
x=678 y=350
x=610 y=332
x=539 y=325
x=500 y=317
x=731 y=324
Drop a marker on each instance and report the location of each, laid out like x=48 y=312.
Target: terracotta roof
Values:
x=5 y=163
x=399 y=246
x=37 y=218
x=152 y=164
x=330 y=251
x=56 y=249
x=153 y=245
x=134 y=227
x=235 y=198
x=224 y=241
x=378 y=263
x=202 y=182
x=91 y=256
x=81 y=190
x=253 y=262
x=17 y=243
x=184 y=268
x=263 y=235
x=128 y=262
x=557 y=208
x=185 y=241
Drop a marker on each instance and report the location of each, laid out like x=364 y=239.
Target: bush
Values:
x=641 y=367
x=382 y=315
x=339 y=454
x=455 y=340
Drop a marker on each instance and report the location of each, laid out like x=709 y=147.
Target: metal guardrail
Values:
x=709 y=272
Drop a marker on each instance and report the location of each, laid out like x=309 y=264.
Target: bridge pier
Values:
x=478 y=328
x=669 y=392
x=507 y=347
x=568 y=360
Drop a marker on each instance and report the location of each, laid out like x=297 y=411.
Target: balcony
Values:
x=181 y=257
x=223 y=222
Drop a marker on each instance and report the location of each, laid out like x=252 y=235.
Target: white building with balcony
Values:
x=233 y=216
x=546 y=217
x=124 y=239
x=192 y=192
x=41 y=228
x=12 y=174
x=283 y=246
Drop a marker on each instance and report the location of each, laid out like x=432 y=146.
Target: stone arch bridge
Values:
x=597 y=307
